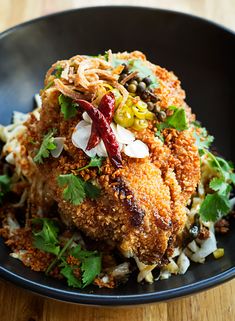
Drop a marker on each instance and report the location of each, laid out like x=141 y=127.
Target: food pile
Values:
x=111 y=173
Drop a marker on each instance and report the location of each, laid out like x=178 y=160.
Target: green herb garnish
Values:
x=77 y=189
x=57 y=74
x=45 y=148
x=217 y=205
x=143 y=71
x=177 y=120
x=203 y=141
x=5 y=182
x=90 y=263
x=68 y=107
x=46 y=239
x=94 y=162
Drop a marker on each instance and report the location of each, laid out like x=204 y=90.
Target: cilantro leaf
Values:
x=68 y=107
x=177 y=120
x=91 y=190
x=74 y=191
x=91 y=267
x=219 y=185
x=45 y=148
x=5 y=182
x=47 y=238
x=95 y=161
x=90 y=263
x=68 y=272
x=203 y=140
x=214 y=207
x=222 y=166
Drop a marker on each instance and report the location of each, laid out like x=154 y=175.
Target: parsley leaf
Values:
x=47 y=238
x=4 y=185
x=68 y=107
x=45 y=148
x=74 y=191
x=94 y=162
x=214 y=207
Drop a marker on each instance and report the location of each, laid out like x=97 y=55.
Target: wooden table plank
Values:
x=217 y=304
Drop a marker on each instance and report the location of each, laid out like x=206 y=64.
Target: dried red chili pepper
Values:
x=104 y=130
x=106 y=107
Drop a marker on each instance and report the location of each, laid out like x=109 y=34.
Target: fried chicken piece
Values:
x=142 y=206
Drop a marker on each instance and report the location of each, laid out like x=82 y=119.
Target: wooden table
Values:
x=17 y=304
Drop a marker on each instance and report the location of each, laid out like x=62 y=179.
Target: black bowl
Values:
x=201 y=53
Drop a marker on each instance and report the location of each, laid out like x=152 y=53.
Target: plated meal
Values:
x=110 y=174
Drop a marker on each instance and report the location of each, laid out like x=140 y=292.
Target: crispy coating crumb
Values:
x=142 y=206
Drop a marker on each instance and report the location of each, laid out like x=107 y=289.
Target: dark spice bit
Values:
x=128 y=199
x=222 y=226
x=141 y=87
x=193 y=232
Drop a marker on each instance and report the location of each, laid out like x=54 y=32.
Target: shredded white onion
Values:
x=136 y=149
x=59 y=142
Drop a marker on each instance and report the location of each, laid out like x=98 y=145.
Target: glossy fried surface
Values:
x=142 y=206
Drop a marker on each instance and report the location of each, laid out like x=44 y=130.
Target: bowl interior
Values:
x=200 y=53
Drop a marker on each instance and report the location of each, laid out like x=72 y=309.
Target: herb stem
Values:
x=63 y=250
x=216 y=161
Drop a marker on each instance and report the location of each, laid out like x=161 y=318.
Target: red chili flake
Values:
x=106 y=107
x=104 y=130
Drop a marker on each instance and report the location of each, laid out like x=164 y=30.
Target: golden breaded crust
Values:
x=142 y=206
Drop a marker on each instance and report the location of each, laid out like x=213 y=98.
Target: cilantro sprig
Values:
x=5 y=183
x=47 y=145
x=68 y=107
x=216 y=204
x=95 y=161
x=177 y=120
x=90 y=264
x=76 y=189
x=46 y=238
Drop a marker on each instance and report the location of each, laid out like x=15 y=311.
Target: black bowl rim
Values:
x=115 y=300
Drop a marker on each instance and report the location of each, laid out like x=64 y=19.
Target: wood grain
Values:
x=217 y=304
